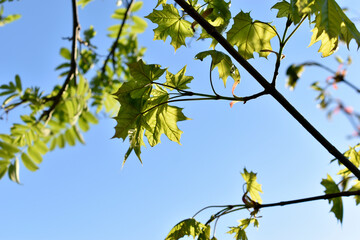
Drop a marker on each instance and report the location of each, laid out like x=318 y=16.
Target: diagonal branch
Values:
x=111 y=54
x=46 y=115
x=268 y=87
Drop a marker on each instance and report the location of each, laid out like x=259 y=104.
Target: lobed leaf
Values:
x=252 y=187
x=224 y=64
x=187 y=227
x=332 y=187
x=250 y=36
x=170 y=23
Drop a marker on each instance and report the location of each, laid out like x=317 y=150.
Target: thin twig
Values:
x=46 y=115
x=211 y=82
x=268 y=87
x=237 y=207
x=303 y=200
x=111 y=54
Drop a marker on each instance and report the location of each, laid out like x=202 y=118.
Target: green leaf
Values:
x=70 y=137
x=160 y=2
x=224 y=64
x=89 y=33
x=41 y=147
x=28 y=163
x=18 y=83
x=178 y=80
x=332 y=187
x=14 y=172
x=34 y=155
x=239 y=232
x=139 y=26
x=356 y=187
x=8 y=19
x=162 y=118
x=143 y=76
x=205 y=233
x=250 y=36
x=136 y=6
x=4 y=164
x=283 y=8
x=330 y=24
x=83 y=3
x=65 y=53
x=187 y=227
x=294 y=73
x=252 y=187
x=170 y=24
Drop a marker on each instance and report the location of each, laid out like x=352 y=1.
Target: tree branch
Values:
x=303 y=200
x=114 y=45
x=46 y=115
x=268 y=87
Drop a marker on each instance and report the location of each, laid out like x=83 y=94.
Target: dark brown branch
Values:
x=268 y=87
x=237 y=207
x=73 y=65
x=303 y=200
x=111 y=54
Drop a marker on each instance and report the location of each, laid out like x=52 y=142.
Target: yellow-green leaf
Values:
x=252 y=187
x=250 y=36
x=170 y=23
x=28 y=163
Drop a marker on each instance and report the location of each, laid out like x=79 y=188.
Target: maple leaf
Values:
x=178 y=80
x=219 y=18
x=250 y=36
x=170 y=24
x=252 y=187
x=224 y=64
x=162 y=118
x=187 y=227
x=332 y=187
x=144 y=109
x=283 y=8
x=331 y=23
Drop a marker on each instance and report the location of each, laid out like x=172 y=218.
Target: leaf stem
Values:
x=296 y=28
x=211 y=82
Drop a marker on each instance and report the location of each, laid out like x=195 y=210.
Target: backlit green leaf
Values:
x=332 y=187
x=188 y=227
x=283 y=8
x=14 y=172
x=252 y=187
x=170 y=24
x=83 y=3
x=162 y=119
x=224 y=64
x=28 y=163
x=65 y=53
x=34 y=155
x=250 y=36
x=293 y=74
x=178 y=80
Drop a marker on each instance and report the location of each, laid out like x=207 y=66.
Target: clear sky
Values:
x=82 y=193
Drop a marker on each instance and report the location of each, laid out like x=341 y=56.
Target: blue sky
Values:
x=83 y=193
